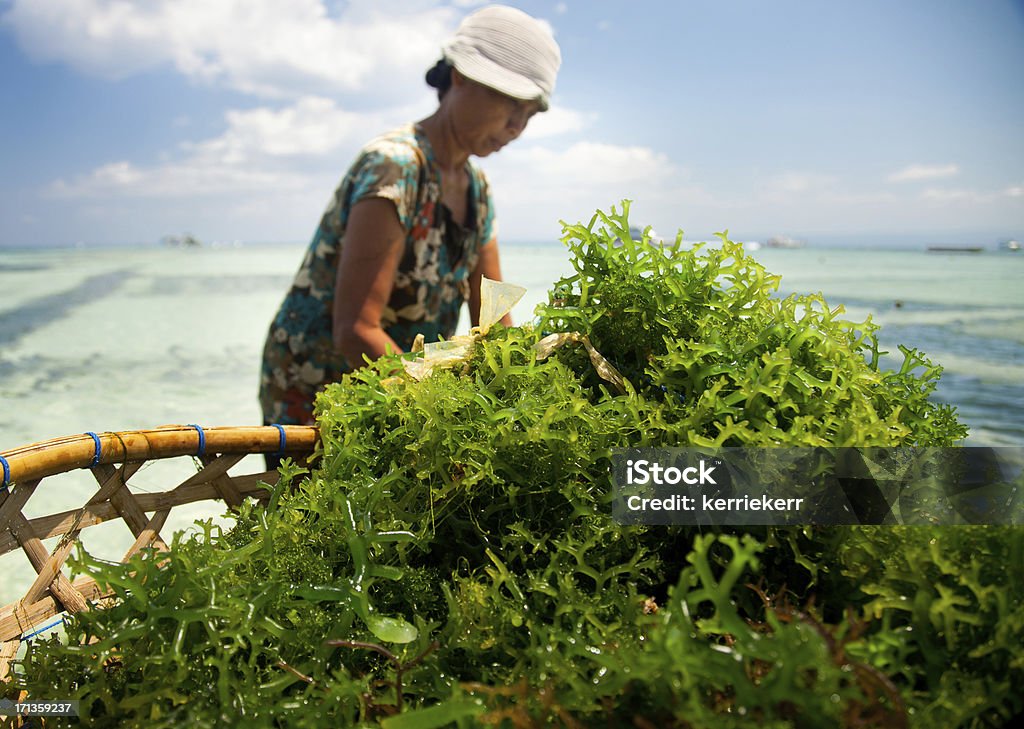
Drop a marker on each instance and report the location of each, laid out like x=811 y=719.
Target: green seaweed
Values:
x=452 y=560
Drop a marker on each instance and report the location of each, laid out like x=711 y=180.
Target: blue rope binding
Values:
x=96 y=453
x=7 y=473
x=282 y=440
x=42 y=630
x=202 y=439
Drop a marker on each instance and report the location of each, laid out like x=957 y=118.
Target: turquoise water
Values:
x=117 y=339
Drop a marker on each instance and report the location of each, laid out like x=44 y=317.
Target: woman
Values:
x=411 y=229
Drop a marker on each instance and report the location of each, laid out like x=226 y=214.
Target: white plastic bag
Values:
x=496 y=299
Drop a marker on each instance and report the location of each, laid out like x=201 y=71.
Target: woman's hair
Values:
x=440 y=77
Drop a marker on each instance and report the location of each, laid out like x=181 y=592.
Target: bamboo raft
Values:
x=113 y=459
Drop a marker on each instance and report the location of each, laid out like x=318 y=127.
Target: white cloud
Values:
x=914 y=173
x=313 y=125
x=190 y=178
x=589 y=165
x=270 y=149
x=557 y=120
x=799 y=182
x=262 y=47
x=795 y=186
x=537 y=185
x=949 y=195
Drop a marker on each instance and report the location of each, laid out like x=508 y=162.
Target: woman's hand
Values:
x=370 y=253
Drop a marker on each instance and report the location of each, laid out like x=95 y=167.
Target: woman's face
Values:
x=486 y=120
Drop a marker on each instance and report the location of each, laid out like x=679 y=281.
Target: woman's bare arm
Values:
x=371 y=251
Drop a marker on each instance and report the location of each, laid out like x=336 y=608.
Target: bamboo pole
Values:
x=50 y=457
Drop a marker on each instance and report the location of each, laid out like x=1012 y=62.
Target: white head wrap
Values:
x=507 y=50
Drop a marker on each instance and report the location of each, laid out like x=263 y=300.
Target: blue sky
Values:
x=860 y=121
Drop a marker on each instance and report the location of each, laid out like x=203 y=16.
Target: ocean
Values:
x=120 y=338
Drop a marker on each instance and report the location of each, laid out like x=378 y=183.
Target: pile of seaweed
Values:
x=452 y=559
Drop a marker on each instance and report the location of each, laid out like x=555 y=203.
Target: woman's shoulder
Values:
x=480 y=181
x=399 y=146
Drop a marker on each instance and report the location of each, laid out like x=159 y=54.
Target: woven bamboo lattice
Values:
x=113 y=459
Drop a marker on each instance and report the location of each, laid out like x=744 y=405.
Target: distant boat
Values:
x=181 y=241
x=784 y=241
x=1010 y=245
x=955 y=249
x=637 y=234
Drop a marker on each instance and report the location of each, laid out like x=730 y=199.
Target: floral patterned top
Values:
x=431 y=284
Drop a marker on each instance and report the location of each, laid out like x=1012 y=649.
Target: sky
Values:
x=234 y=120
